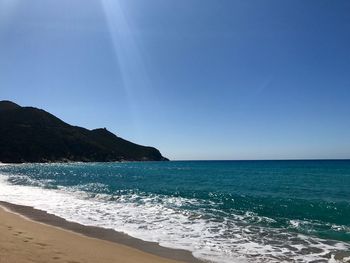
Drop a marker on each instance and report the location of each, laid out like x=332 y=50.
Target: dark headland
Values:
x=28 y=134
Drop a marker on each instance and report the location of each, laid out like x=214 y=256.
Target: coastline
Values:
x=201 y=224
x=21 y=225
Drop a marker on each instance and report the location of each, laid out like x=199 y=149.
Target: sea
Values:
x=221 y=211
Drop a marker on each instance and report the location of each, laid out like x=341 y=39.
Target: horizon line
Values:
x=291 y=159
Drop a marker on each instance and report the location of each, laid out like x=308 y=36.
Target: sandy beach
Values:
x=25 y=240
x=87 y=213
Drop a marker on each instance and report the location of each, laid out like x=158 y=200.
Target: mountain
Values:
x=29 y=134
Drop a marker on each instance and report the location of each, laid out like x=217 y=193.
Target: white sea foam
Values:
x=160 y=219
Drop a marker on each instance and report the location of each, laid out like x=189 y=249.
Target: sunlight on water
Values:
x=196 y=206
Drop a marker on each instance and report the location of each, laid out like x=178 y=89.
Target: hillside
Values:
x=29 y=134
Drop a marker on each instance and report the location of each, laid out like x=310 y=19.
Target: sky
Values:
x=198 y=79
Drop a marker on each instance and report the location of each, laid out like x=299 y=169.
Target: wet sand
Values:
x=30 y=235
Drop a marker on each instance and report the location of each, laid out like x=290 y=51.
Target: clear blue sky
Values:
x=198 y=79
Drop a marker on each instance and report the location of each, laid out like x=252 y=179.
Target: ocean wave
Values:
x=170 y=221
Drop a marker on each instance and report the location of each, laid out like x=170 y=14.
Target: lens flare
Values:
x=7 y=9
x=136 y=82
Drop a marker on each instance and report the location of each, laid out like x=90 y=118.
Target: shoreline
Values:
x=100 y=234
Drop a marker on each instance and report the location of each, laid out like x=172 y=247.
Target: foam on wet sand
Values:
x=25 y=240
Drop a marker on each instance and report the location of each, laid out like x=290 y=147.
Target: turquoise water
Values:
x=223 y=211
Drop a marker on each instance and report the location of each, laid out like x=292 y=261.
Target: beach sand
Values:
x=25 y=240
